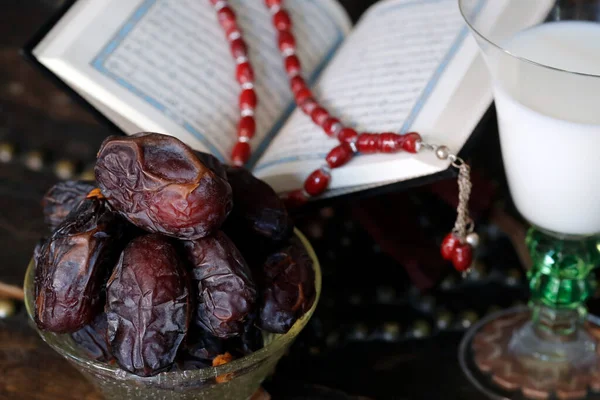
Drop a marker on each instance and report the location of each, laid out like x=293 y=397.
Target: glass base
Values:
x=578 y=352
x=505 y=357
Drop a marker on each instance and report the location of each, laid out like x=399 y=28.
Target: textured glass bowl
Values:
x=237 y=380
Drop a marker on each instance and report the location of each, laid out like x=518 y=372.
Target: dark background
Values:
x=392 y=313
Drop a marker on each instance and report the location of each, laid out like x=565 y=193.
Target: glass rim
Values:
x=234 y=366
x=467 y=19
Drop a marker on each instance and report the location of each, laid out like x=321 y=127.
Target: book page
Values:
x=407 y=66
x=165 y=65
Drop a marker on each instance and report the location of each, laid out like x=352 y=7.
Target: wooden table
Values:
x=32 y=370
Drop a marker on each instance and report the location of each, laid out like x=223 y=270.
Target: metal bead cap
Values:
x=473 y=239
x=442 y=152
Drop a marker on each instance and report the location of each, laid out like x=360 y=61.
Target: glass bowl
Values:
x=236 y=380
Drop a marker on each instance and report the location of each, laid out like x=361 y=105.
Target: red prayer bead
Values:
x=351 y=141
x=347 y=135
x=248 y=99
x=245 y=73
x=296 y=198
x=331 y=126
x=340 y=155
x=287 y=42
x=317 y=182
x=292 y=65
x=411 y=142
x=297 y=83
x=272 y=3
x=282 y=21
x=391 y=142
x=240 y=153
x=303 y=95
x=232 y=31
x=226 y=17
x=448 y=245
x=368 y=143
x=247 y=127
x=462 y=257
x=308 y=106
x=319 y=115
x=239 y=48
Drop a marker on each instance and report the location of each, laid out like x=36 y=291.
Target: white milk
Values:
x=552 y=154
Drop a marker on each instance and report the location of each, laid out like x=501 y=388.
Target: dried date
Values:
x=147 y=306
x=204 y=346
x=93 y=339
x=160 y=185
x=226 y=293
x=73 y=264
x=62 y=198
x=37 y=250
x=213 y=163
x=200 y=349
x=250 y=341
x=257 y=208
x=288 y=289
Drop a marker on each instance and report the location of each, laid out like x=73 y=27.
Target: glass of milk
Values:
x=544 y=61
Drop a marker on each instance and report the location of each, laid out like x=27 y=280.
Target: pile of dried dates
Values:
x=169 y=261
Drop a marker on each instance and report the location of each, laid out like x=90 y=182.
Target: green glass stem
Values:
x=560 y=282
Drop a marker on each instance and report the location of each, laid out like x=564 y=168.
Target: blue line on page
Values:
x=99 y=64
x=385 y=9
x=122 y=33
x=427 y=91
x=211 y=147
x=262 y=147
x=283 y=160
x=432 y=84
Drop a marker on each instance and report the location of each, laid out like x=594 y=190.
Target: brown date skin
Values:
x=62 y=198
x=213 y=163
x=147 y=306
x=206 y=347
x=257 y=208
x=202 y=347
x=226 y=293
x=250 y=341
x=93 y=339
x=288 y=289
x=37 y=250
x=160 y=185
x=73 y=264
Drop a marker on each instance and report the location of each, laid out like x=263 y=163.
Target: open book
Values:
x=165 y=66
